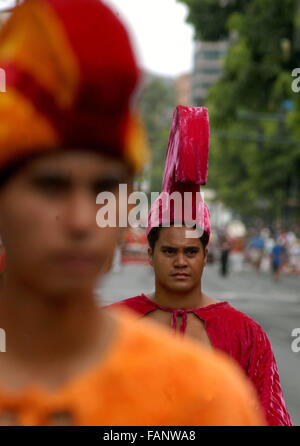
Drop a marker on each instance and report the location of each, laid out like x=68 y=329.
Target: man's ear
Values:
x=150 y=256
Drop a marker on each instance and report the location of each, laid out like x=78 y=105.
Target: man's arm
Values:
x=263 y=372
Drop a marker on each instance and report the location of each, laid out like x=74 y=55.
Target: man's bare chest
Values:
x=195 y=327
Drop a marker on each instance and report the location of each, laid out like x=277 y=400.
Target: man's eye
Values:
x=192 y=252
x=168 y=251
x=50 y=185
x=106 y=186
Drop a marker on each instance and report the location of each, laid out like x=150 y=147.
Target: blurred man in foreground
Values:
x=66 y=135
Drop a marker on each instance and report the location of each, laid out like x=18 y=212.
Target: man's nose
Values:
x=81 y=212
x=180 y=260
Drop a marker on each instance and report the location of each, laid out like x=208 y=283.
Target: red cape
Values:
x=244 y=340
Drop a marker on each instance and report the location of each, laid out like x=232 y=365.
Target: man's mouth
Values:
x=181 y=275
x=77 y=259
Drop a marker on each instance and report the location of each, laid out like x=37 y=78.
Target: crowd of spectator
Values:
x=274 y=251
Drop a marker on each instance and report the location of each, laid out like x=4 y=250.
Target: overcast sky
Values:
x=163 y=40
x=7 y=4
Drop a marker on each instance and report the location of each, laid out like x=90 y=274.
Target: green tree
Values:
x=157 y=104
x=209 y=17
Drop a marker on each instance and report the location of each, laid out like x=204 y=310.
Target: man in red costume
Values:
x=178 y=259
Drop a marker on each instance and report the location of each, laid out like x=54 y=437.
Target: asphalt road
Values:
x=276 y=306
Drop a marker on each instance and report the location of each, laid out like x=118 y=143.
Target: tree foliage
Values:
x=157 y=103
x=209 y=17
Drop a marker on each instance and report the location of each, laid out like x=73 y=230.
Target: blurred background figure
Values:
x=256 y=250
x=134 y=248
x=269 y=242
x=277 y=257
x=225 y=248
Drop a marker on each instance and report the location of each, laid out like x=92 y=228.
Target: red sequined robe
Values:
x=241 y=338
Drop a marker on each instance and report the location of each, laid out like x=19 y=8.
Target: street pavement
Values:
x=275 y=305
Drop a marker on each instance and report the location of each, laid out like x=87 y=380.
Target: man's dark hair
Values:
x=16 y=164
x=154 y=234
x=13 y=167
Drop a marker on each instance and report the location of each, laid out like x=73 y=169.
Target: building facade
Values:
x=208 y=65
x=183 y=90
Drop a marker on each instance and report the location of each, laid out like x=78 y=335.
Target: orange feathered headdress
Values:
x=70 y=75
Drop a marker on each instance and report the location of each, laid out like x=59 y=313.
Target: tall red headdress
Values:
x=185 y=171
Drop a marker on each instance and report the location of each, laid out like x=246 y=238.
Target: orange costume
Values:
x=146 y=379
x=70 y=75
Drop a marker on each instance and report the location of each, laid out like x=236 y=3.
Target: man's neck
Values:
x=184 y=300
x=38 y=327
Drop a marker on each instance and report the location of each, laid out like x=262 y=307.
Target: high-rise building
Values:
x=183 y=89
x=208 y=65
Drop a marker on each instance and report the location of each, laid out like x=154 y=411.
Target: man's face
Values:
x=48 y=221
x=177 y=261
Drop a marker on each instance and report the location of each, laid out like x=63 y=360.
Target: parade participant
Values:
x=224 y=257
x=178 y=260
x=66 y=133
x=277 y=257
